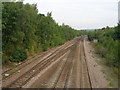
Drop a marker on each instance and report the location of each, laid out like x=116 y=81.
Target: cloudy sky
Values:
x=80 y=14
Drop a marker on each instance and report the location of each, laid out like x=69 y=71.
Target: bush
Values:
x=101 y=50
x=18 y=55
x=44 y=47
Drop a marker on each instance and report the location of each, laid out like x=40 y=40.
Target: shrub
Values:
x=18 y=55
x=44 y=47
x=101 y=50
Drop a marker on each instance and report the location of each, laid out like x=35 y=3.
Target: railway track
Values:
x=85 y=77
x=64 y=67
x=68 y=74
x=44 y=63
x=34 y=59
x=64 y=76
x=60 y=74
x=24 y=63
x=65 y=79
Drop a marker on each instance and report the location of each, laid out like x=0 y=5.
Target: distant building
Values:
x=95 y=40
x=119 y=11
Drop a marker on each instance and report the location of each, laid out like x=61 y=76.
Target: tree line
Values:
x=26 y=32
x=108 y=45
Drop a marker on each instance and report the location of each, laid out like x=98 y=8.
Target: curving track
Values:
x=62 y=67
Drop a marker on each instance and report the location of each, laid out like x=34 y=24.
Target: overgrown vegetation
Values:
x=18 y=55
x=25 y=31
x=108 y=44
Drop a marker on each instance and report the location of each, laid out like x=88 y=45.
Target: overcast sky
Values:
x=80 y=14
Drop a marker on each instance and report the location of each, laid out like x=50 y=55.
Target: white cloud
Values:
x=81 y=13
